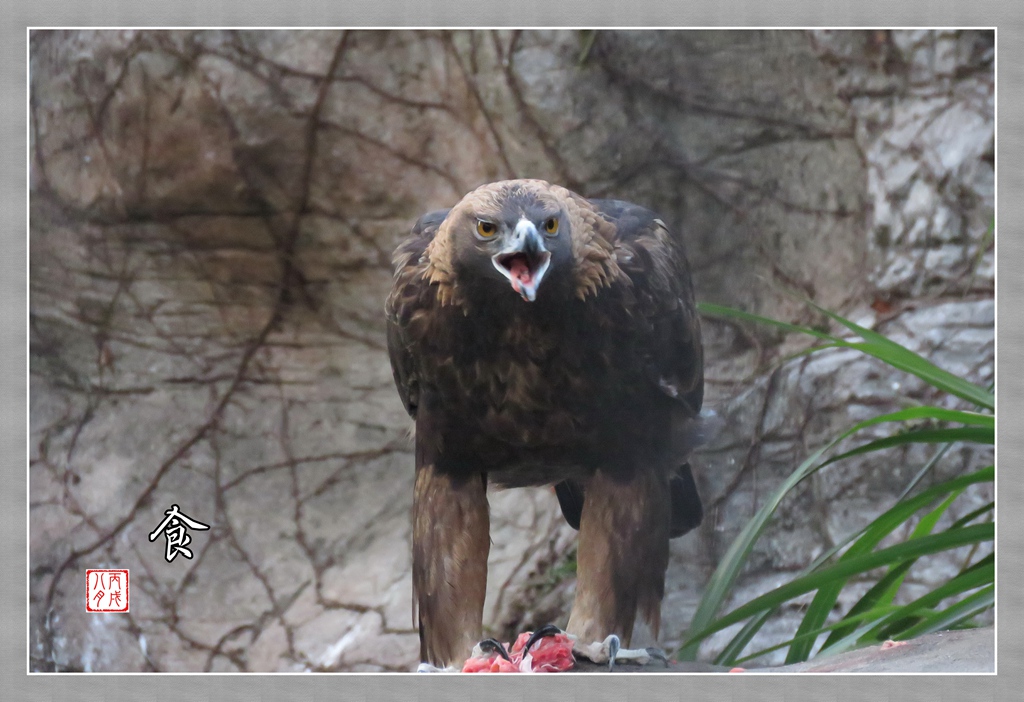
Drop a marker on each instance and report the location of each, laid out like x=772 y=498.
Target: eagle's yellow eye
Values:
x=485 y=228
x=551 y=226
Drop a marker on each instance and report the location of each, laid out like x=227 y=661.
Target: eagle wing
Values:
x=660 y=275
x=666 y=316
x=407 y=261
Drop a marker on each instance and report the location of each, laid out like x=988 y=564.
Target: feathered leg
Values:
x=622 y=556
x=450 y=544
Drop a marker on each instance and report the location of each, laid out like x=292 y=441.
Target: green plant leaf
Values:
x=730 y=654
x=713 y=310
x=921 y=436
x=845 y=568
x=964 y=610
x=865 y=540
x=971 y=516
x=874 y=614
x=980 y=575
x=732 y=561
x=828 y=579
x=883 y=592
x=903 y=358
x=874 y=344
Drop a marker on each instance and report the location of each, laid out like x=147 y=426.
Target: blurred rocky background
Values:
x=212 y=216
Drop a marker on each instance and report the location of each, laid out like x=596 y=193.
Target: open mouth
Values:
x=524 y=270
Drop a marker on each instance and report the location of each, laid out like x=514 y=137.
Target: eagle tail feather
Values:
x=570 y=498
x=687 y=510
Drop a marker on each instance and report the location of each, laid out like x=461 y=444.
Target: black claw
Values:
x=658 y=654
x=546 y=630
x=494 y=646
x=613 y=651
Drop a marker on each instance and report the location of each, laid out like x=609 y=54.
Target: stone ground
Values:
x=966 y=651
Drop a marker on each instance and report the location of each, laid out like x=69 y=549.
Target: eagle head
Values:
x=510 y=234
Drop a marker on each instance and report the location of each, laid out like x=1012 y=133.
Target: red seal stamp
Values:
x=106 y=590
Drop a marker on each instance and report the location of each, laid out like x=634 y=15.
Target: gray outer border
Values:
x=1010 y=331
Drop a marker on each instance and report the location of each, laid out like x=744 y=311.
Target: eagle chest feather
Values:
x=521 y=381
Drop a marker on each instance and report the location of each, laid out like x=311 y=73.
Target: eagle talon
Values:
x=546 y=630
x=547 y=650
x=611 y=650
x=614 y=646
x=491 y=646
x=657 y=654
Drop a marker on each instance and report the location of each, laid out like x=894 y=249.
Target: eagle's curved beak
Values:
x=525 y=260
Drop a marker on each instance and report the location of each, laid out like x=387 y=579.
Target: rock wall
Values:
x=212 y=216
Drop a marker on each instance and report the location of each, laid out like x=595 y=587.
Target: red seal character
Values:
x=106 y=590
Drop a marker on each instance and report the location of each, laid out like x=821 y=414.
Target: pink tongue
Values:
x=520 y=271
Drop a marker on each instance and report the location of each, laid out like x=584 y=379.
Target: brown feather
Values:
x=622 y=556
x=450 y=545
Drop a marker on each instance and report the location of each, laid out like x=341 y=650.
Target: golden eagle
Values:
x=540 y=338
